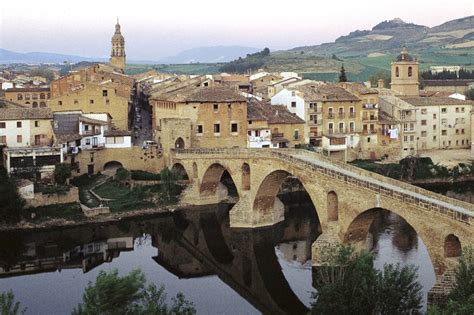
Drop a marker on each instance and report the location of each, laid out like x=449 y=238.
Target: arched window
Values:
x=42 y=104
x=42 y=96
x=333 y=206
x=397 y=72
x=35 y=104
x=452 y=246
x=245 y=176
x=410 y=71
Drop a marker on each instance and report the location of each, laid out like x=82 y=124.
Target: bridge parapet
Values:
x=381 y=185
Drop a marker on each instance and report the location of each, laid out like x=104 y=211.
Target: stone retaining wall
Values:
x=41 y=199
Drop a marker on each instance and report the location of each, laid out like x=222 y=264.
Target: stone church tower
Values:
x=117 y=57
x=405 y=74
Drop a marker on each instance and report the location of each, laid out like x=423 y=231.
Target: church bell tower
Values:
x=117 y=57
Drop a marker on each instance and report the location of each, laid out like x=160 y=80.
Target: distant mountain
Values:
x=211 y=54
x=388 y=36
x=8 y=56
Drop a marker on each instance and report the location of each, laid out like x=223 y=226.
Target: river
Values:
x=194 y=251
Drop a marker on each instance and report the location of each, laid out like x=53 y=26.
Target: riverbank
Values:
x=109 y=218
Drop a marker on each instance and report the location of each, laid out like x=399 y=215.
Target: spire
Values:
x=117 y=27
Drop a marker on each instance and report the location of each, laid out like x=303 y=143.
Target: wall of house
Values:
x=91 y=99
x=11 y=131
x=42 y=128
x=285 y=97
x=288 y=131
x=31 y=98
x=118 y=142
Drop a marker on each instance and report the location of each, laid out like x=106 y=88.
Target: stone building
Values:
x=117 y=56
x=33 y=97
x=405 y=74
x=95 y=98
x=215 y=116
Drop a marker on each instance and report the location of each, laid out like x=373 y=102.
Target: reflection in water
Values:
x=222 y=270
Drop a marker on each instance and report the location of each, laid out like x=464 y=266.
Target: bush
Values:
x=62 y=172
x=11 y=202
x=143 y=175
x=122 y=174
x=8 y=306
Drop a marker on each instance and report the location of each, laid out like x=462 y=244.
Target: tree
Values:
x=169 y=185
x=62 y=172
x=384 y=75
x=113 y=294
x=8 y=306
x=342 y=75
x=470 y=94
x=122 y=174
x=348 y=283
x=10 y=201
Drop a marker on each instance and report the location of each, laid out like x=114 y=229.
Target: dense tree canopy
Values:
x=10 y=201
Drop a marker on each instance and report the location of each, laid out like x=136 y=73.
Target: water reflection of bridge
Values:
x=190 y=244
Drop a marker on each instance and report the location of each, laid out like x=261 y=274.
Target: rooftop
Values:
x=28 y=89
x=25 y=113
x=273 y=114
x=459 y=82
x=116 y=133
x=215 y=95
x=442 y=100
x=325 y=93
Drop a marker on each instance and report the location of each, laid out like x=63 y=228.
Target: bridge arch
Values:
x=452 y=246
x=112 y=165
x=266 y=203
x=180 y=170
x=213 y=176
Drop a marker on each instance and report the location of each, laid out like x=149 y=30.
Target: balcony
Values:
x=330 y=116
x=352 y=115
x=315 y=122
x=315 y=134
x=315 y=110
x=370 y=118
x=90 y=132
x=341 y=115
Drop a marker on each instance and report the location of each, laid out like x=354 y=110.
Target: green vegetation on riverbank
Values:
x=68 y=211
x=416 y=169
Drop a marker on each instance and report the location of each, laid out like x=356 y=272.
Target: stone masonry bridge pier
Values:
x=346 y=198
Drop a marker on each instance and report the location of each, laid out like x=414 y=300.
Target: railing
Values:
x=90 y=132
x=369 y=118
x=352 y=114
x=456 y=209
x=330 y=116
x=341 y=115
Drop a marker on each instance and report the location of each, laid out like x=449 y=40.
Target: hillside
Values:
x=365 y=52
x=213 y=54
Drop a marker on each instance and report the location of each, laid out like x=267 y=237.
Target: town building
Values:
x=442 y=122
x=29 y=97
x=273 y=126
x=23 y=127
x=200 y=117
x=453 y=86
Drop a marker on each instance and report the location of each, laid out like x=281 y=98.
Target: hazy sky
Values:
x=154 y=28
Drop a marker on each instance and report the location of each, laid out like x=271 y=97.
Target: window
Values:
x=217 y=128
x=423 y=133
x=107 y=102
x=2 y=125
x=76 y=102
x=91 y=101
x=434 y=127
x=293 y=104
x=434 y=116
x=410 y=71
x=234 y=127
x=19 y=97
x=462 y=131
x=296 y=134
x=37 y=123
x=397 y=72
x=412 y=138
x=331 y=127
x=60 y=102
x=199 y=129
x=457 y=109
x=3 y=139
x=405 y=138
x=18 y=124
x=444 y=110
x=434 y=138
x=351 y=126
x=423 y=122
x=42 y=96
x=19 y=139
x=457 y=131
x=412 y=126
x=216 y=107
x=444 y=132
x=405 y=127
x=88 y=141
x=104 y=93
x=462 y=109
x=341 y=127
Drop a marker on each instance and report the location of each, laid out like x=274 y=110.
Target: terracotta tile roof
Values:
x=325 y=93
x=273 y=114
x=116 y=133
x=28 y=89
x=215 y=95
x=25 y=113
x=358 y=88
x=427 y=101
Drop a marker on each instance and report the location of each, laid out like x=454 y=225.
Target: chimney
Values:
x=380 y=84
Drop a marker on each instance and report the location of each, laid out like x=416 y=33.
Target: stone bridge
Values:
x=346 y=198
